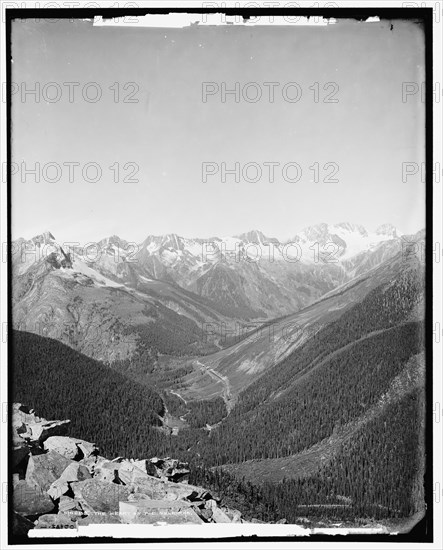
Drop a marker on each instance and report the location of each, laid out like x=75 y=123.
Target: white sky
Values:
x=169 y=132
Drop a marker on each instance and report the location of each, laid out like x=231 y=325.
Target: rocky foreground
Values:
x=62 y=482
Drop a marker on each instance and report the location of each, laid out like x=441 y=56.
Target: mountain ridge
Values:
x=250 y=276
x=331 y=384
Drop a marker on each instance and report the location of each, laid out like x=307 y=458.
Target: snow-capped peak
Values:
x=44 y=238
x=342 y=240
x=254 y=236
x=352 y=228
x=388 y=230
x=113 y=240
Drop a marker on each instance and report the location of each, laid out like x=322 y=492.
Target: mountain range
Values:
x=289 y=365
x=247 y=278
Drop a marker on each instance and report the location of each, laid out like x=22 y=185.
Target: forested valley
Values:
x=331 y=380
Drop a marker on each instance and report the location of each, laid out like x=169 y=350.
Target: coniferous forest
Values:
x=333 y=380
x=374 y=475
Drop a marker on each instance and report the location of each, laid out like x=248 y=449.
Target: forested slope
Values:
x=330 y=380
x=103 y=405
x=336 y=378
x=376 y=474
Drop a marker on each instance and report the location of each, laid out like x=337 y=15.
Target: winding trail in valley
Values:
x=227 y=395
x=183 y=416
x=178 y=395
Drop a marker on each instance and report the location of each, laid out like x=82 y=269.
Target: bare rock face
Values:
x=169 y=468
x=205 y=514
x=234 y=515
x=46 y=468
x=63 y=445
x=68 y=504
x=219 y=516
x=123 y=471
x=21 y=416
x=93 y=462
x=73 y=472
x=99 y=496
x=147 y=466
x=32 y=428
x=69 y=447
x=105 y=474
x=88 y=449
x=68 y=484
x=31 y=501
x=39 y=431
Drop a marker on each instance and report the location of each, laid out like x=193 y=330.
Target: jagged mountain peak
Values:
x=388 y=230
x=352 y=228
x=323 y=230
x=254 y=236
x=316 y=232
x=168 y=240
x=172 y=240
x=114 y=240
x=44 y=238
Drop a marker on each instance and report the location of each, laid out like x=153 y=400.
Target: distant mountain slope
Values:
x=332 y=394
x=250 y=276
x=337 y=426
x=344 y=368
x=250 y=356
x=115 y=301
x=256 y=276
x=109 y=311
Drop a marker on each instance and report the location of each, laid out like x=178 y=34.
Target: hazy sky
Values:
x=170 y=131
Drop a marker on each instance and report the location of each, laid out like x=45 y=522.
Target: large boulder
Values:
x=109 y=476
x=149 y=486
x=29 y=500
x=33 y=428
x=65 y=446
x=147 y=466
x=68 y=504
x=205 y=514
x=156 y=488
x=170 y=468
x=57 y=467
x=45 y=468
x=93 y=462
x=37 y=432
x=124 y=471
x=22 y=415
x=73 y=472
x=234 y=515
x=219 y=516
x=87 y=449
x=99 y=496
x=185 y=491
x=70 y=447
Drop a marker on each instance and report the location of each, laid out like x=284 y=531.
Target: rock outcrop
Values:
x=63 y=482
